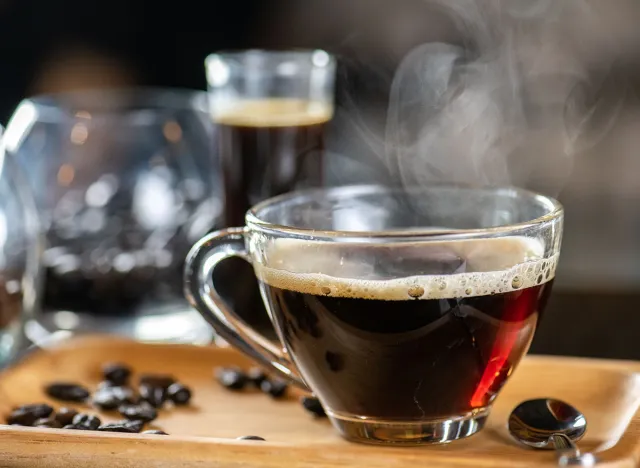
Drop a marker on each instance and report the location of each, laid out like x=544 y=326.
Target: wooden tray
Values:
x=202 y=435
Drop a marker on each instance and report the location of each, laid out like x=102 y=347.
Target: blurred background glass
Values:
x=270 y=111
x=125 y=183
x=20 y=253
x=70 y=46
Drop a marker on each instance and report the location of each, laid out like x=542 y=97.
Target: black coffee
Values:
x=423 y=347
x=266 y=148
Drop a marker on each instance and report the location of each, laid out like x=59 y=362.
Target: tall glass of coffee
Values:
x=404 y=311
x=270 y=110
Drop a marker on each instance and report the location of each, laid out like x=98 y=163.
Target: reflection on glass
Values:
x=19 y=257
x=125 y=184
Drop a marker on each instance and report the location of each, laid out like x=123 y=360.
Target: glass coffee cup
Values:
x=403 y=311
x=271 y=111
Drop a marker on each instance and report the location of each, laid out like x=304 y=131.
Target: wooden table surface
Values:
x=608 y=392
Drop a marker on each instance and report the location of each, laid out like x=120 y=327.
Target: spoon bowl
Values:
x=550 y=424
x=538 y=423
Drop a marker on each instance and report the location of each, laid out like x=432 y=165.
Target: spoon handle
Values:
x=569 y=454
x=563 y=444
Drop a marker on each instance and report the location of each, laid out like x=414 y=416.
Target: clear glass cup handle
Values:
x=201 y=293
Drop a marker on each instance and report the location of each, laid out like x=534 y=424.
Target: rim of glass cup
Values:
x=318 y=58
x=294 y=51
x=109 y=101
x=253 y=220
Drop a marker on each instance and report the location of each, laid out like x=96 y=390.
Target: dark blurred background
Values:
x=50 y=46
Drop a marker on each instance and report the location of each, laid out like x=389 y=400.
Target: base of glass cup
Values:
x=416 y=432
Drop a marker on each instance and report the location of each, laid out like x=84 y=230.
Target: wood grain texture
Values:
x=203 y=434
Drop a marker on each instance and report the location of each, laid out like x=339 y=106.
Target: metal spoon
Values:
x=551 y=424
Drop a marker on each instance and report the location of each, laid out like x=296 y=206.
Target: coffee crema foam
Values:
x=293 y=263
x=275 y=112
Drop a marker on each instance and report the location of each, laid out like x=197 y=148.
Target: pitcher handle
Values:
x=203 y=296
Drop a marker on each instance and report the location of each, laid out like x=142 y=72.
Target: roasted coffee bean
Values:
x=87 y=421
x=250 y=438
x=313 y=405
x=65 y=416
x=116 y=373
x=335 y=361
x=75 y=427
x=49 y=422
x=157 y=380
x=143 y=412
x=106 y=384
x=131 y=427
x=233 y=379
x=179 y=394
x=67 y=391
x=126 y=394
x=28 y=414
x=110 y=398
x=155 y=432
x=256 y=376
x=105 y=399
x=275 y=388
x=155 y=396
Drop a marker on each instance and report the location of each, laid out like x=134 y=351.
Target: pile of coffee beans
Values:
x=114 y=393
x=139 y=405
x=235 y=379
x=44 y=416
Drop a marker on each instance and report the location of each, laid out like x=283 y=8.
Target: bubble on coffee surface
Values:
x=274 y=112
x=414 y=291
x=493 y=266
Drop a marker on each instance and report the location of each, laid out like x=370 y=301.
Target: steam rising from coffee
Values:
x=514 y=104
